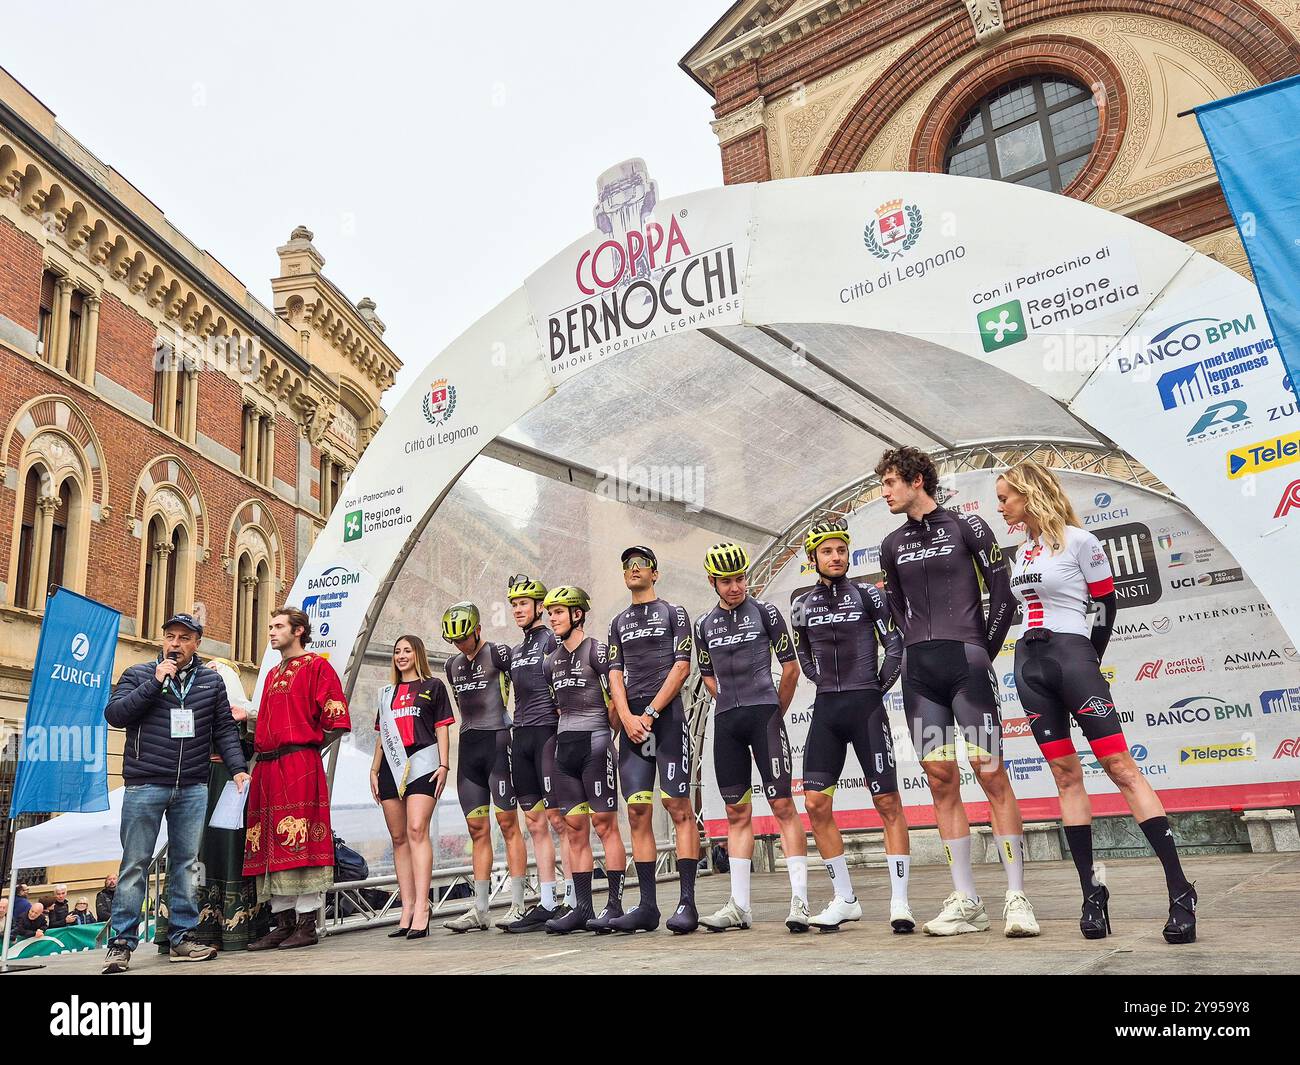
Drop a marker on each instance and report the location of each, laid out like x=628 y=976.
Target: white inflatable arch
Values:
x=777 y=336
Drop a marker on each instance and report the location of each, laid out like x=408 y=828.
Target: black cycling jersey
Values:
x=836 y=629
x=579 y=681
x=644 y=643
x=933 y=569
x=534 y=704
x=482 y=687
x=735 y=648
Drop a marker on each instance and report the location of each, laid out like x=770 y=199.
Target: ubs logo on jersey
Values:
x=1133 y=563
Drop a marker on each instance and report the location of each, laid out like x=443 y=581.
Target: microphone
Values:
x=173 y=655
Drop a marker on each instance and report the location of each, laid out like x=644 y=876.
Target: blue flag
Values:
x=1254 y=138
x=63 y=764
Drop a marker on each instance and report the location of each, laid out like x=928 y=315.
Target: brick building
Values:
x=169 y=442
x=1076 y=96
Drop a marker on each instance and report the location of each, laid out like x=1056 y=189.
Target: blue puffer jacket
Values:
x=143 y=707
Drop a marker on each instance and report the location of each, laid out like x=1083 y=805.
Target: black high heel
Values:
x=417 y=933
x=399 y=933
x=1095 y=921
x=1181 y=926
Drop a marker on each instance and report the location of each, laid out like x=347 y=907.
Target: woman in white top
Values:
x=1058 y=571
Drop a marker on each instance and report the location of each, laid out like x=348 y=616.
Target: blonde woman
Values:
x=413 y=718
x=1058 y=676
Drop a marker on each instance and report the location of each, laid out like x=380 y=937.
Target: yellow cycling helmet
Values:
x=522 y=586
x=458 y=621
x=822 y=531
x=569 y=595
x=725 y=560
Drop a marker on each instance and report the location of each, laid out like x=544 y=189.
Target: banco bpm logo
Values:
x=1002 y=326
x=439 y=402
x=894 y=230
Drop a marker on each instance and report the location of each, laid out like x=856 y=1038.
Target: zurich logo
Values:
x=1101 y=499
x=1139 y=752
x=80 y=646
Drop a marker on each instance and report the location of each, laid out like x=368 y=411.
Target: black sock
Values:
x=1079 y=837
x=582 y=889
x=645 y=877
x=686 y=874
x=615 y=878
x=1161 y=838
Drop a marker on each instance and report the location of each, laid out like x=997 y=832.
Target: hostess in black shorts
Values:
x=421 y=785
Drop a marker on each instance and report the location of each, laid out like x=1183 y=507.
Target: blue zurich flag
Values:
x=63 y=763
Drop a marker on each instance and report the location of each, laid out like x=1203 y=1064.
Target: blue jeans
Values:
x=143 y=807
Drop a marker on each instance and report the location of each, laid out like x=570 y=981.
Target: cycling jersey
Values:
x=578 y=680
x=1055 y=588
x=735 y=647
x=644 y=642
x=419 y=708
x=482 y=687
x=933 y=569
x=534 y=704
x=836 y=629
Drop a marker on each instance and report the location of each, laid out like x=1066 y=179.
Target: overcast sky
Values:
x=439 y=152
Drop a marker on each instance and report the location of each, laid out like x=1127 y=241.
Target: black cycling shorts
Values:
x=1059 y=677
x=751 y=731
x=667 y=748
x=483 y=772
x=532 y=764
x=950 y=695
x=585 y=781
x=843 y=719
x=421 y=785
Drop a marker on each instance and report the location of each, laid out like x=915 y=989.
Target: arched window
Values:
x=26 y=594
x=168 y=563
x=254 y=594
x=51 y=530
x=1036 y=131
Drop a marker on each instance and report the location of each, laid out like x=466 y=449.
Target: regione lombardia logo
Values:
x=896 y=227
x=439 y=402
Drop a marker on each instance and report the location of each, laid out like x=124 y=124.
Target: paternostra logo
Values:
x=440 y=402
x=894 y=230
x=1002 y=326
x=80 y=646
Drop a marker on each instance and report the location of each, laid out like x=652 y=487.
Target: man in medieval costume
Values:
x=288 y=845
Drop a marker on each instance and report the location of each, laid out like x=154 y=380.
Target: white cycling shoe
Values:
x=1021 y=922
x=837 y=912
x=730 y=916
x=797 y=921
x=900 y=917
x=472 y=920
x=960 y=914
x=515 y=913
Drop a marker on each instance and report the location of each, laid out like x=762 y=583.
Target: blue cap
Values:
x=188 y=620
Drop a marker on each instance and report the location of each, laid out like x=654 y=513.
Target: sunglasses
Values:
x=637 y=562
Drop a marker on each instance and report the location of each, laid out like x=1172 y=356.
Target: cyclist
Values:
x=585 y=786
x=838 y=626
x=934 y=565
x=734 y=643
x=649 y=661
x=532 y=744
x=1058 y=676
x=479 y=677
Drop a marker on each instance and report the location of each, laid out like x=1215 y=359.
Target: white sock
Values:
x=958 y=852
x=548 y=895
x=517 y=892
x=797 y=866
x=900 y=868
x=840 y=879
x=568 y=893
x=740 y=881
x=280 y=903
x=481 y=894
x=1011 y=849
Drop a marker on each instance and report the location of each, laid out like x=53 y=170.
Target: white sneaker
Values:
x=900 y=917
x=730 y=916
x=511 y=915
x=1020 y=916
x=959 y=914
x=836 y=913
x=798 y=919
x=469 y=921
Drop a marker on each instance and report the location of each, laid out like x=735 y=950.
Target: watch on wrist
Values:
x=651 y=713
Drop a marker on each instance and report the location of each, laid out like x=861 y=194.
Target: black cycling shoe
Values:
x=639 y=919
x=573 y=921
x=1181 y=926
x=685 y=921
x=1095 y=922
x=600 y=925
x=532 y=921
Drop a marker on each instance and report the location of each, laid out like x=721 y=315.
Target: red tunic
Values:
x=288 y=799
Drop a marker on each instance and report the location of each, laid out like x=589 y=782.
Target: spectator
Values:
x=4 y=911
x=34 y=923
x=80 y=914
x=104 y=900
x=57 y=910
x=21 y=904
x=174 y=709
